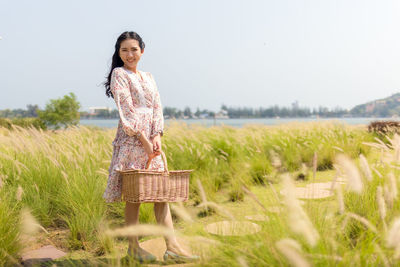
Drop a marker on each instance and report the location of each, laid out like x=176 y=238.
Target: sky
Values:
x=202 y=54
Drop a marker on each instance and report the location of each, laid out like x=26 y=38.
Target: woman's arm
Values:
x=119 y=87
x=157 y=127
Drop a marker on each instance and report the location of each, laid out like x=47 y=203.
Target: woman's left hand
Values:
x=157 y=143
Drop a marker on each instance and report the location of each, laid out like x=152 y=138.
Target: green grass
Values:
x=63 y=175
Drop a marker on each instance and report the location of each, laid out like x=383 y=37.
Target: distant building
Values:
x=222 y=114
x=96 y=110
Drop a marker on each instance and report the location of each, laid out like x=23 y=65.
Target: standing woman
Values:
x=138 y=137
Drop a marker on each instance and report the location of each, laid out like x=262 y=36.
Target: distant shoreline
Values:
x=264 y=118
x=239 y=122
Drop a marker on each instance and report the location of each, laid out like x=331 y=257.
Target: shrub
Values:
x=6 y=123
x=61 y=112
x=383 y=127
x=29 y=122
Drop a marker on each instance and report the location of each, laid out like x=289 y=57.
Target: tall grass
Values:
x=61 y=175
x=362 y=231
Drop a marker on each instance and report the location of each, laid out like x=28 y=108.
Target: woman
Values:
x=138 y=136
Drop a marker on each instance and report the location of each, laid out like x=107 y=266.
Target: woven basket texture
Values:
x=155 y=186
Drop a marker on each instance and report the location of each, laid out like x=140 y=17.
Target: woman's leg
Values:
x=132 y=218
x=163 y=217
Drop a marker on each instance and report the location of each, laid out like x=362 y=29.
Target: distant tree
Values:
x=197 y=113
x=187 y=112
x=32 y=110
x=103 y=113
x=61 y=112
x=19 y=113
x=6 y=113
x=114 y=114
x=170 y=112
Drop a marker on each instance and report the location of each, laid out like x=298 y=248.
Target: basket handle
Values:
x=164 y=160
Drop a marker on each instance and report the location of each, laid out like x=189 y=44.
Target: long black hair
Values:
x=116 y=59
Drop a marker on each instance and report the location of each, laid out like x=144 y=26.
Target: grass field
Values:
x=51 y=186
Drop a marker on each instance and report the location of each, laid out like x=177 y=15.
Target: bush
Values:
x=29 y=122
x=22 y=122
x=6 y=123
x=383 y=127
x=61 y=112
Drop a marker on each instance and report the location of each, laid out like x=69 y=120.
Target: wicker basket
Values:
x=155 y=186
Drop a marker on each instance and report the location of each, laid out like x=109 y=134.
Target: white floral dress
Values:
x=139 y=106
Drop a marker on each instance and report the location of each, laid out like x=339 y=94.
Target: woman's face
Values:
x=130 y=53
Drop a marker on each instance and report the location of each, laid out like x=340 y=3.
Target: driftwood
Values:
x=384 y=127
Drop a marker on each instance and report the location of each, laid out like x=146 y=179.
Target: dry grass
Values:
x=60 y=176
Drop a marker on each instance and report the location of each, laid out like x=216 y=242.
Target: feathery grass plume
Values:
x=393 y=185
x=338 y=148
x=376 y=171
x=354 y=182
x=339 y=195
x=202 y=239
x=345 y=222
x=36 y=187
x=274 y=192
x=254 y=197
x=292 y=251
x=365 y=168
x=393 y=237
x=315 y=164
x=375 y=145
x=142 y=230
x=201 y=191
x=322 y=256
x=396 y=146
x=383 y=145
x=19 y=193
x=242 y=262
x=334 y=181
x=380 y=253
x=218 y=208
x=381 y=202
x=381 y=206
x=102 y=171
x=298 y=220
x=182 y=212
x=29 y=225
x=65 y=176
x=363 y=220
x=387 y=193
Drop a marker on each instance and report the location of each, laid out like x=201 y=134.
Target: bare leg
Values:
x=163 y=217
x=132 y=218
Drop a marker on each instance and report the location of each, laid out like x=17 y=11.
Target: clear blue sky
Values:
x=204 y=53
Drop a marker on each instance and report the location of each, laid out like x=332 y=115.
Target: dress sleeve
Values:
x=119 y=87
x=158 y=118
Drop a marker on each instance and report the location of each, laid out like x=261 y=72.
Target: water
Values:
x=111 y=123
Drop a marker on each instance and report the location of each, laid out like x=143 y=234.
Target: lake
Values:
x=111 y=123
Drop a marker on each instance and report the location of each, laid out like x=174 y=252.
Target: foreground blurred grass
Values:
x=61 y=176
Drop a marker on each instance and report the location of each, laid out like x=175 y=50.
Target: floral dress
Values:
x=139 y=107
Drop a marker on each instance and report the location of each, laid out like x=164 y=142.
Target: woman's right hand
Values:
x=148 y=147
